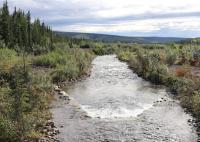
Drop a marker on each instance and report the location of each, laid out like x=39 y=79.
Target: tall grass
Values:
x=8 y=58
x=66 y=63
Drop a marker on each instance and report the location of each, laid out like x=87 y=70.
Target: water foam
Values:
x=121 y=112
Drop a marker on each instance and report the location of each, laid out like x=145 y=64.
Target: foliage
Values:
x=104 y=49
x=22 y=104
x=67 y=63
x=7 y=57
x=171 y=57
x=124 y=55
x=153 y=64
x=182 y=71
x=32 y=59
x=16 y=30
x=196 y=104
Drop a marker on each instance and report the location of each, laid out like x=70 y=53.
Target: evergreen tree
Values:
x=17 y=31
x=14 y=26
x=29 y=29
x=5 y=23
x=1 y=28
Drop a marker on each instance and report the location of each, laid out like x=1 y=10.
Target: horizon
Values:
x=113 y=17
x=127 y=35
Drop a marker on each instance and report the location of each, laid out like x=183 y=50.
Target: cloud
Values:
x=148 y=25
x=143 y=17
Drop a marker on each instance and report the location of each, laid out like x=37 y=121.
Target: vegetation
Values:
x=25 y=88
x=17 y=31
x=23 y=104
x=171 y=66
x=32 y=60
x=115 y=39
x=66 y=63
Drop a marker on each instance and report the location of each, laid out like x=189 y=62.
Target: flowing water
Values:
x=122 y=108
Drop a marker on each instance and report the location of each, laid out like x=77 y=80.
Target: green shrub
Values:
x=65 y=73
x=52 y=59
x=157 y=72
x=38 y=49
x=104 y=49
x=22 y=105
x=196 y=104
x=178 y=85
x=67 y=63
x=8 y=132
x=8 y=58
x=124 y=55
x=171 y=57
x=152 y=63
x=75 y=66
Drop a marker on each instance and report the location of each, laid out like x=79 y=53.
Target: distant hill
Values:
x=191 y=41
x=124 y=39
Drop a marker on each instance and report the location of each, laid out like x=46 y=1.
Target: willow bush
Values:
x=153 y=64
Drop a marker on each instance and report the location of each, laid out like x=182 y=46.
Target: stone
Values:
x=189 y=120
x=64 y=95
x=44 y=131
x=56 y=88
x=56 y=131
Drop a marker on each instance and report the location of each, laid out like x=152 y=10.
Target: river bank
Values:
x=115 y=105
x=60 y=99
x=157 y=66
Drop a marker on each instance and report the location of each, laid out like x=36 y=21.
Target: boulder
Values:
x=56 y=88
x=51 y=124
x=64 y=95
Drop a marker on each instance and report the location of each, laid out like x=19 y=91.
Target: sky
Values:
x=165 y=18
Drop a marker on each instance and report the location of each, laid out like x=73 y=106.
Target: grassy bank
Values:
x=25 y=87
x=154 y=63
x=65 y=63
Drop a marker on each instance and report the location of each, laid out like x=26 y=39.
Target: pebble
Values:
x=56 y=88
x=50 y=131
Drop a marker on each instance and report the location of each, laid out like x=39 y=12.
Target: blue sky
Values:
x=174 y=18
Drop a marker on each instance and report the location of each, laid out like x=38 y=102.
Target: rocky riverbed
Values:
x=115 y=105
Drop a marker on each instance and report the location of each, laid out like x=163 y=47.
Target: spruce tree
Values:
x=17 y=31
x=5 y=23
x=14 y=26
x=29 y=29
x=1 y=28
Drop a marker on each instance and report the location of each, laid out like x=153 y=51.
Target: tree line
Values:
x=19 y=33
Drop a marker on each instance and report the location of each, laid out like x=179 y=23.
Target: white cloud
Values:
x=84 y=15
x=181 y=24
x=110 y=8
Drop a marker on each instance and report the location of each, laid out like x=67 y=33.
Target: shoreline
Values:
x=75 y=125
x=51 y=130
x=195 y=122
